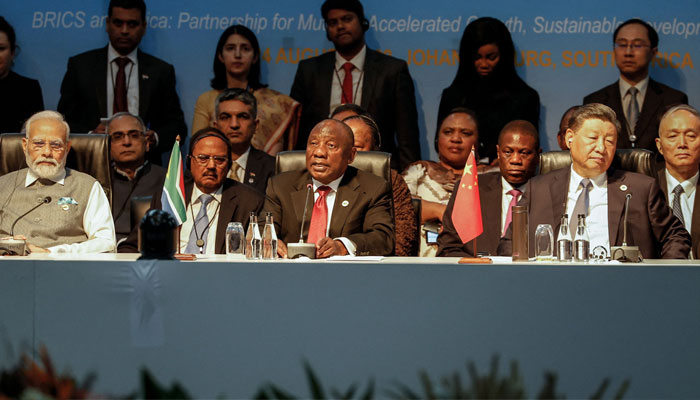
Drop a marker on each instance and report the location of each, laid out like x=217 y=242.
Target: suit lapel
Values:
x=615 y=102
x=369 y=78
x=345 y=200
x=491 y=209
x=325 y=78
x=144 y=84
x=616 y=203
x=695 y=228
x=100 y=78
x=559 y=192
x=226 y=210
x=298 y=198
x=252 y=168
x=652 y=101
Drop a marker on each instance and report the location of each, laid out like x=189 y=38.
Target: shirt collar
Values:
x=112 y=54
x=124 y=174
x=196 y=193
x=507 y=187
x=598 y=181
x=688 y=185
x=641 y=86
x=32 y=177
x=358 y=61
x=243 y=159
x=333 y=185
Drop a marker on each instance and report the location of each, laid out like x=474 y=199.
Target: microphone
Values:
x=625 y=253
x=16 y=247
x=301 y=249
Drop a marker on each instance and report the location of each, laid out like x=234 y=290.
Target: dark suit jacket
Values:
x=259 y=168
x=449 y=243
x=658 y=99
x=695 y=228
x=237 y=202
x=84 y=97
x=362 y=210
x=651 y=226
x=387 y=94
x=147 y=182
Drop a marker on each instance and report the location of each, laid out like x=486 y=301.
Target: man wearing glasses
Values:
x=212 y=199
x=73 y=214
x=132 y=175
x=637 y=100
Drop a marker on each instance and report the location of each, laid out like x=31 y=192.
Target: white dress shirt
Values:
x=242 y=162
x=506 y=199
x=330 y=203
x=213 y=211
x=627 y=98
x=97 y=221
x=597 y=219
x=132 y=80
x=339 y=75
x=687 y=197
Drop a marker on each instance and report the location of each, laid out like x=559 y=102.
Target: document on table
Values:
x=356 y=258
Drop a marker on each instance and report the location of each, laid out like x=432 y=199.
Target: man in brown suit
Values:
x=357 y=216
x=518 y=152
x=599 y=192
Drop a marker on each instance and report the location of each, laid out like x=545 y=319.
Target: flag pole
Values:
x=179 y=227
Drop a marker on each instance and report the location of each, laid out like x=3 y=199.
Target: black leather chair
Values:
x=89 y=153
x=376 y=162
x=633 y=160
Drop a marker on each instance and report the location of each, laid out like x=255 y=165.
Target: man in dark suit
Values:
x=518 y=152
x=350 y=212
x=594 y=190
x=353 y=73
x=119 y=77
x=679 y=144
x=637 y=99
x=236 y=116
x=211 y=199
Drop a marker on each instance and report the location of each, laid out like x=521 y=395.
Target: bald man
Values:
x=351 y=209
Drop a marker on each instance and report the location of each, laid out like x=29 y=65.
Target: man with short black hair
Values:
x=353 y=73
x=637 y=99
x=120 y=77
x=236 y=117
x=518 y=151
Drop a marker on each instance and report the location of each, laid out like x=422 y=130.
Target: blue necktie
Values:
x=200 y=228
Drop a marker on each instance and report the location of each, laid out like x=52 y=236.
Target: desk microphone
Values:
x=625 y=253
x=301 y=249
x=14 y=246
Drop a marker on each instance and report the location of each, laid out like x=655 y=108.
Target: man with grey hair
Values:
x=599 y=192
x=75 y=216
x=679 y=144
x=132 y=175
x=236 y=116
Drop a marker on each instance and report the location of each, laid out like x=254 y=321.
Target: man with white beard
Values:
x=75 y=217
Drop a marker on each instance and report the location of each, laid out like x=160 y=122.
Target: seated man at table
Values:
x=132 y=175
x=212 y=200
x=518 y=151
x=73 y=214
x=590 y=187
x=351 y=209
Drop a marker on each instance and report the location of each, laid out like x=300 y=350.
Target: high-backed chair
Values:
x=633 y=160
x=376 y=162
x=89 y=153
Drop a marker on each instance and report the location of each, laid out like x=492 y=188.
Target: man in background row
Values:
x=120 y=77
x=679 y=144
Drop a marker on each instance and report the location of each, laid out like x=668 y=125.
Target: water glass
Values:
x=235 y=238
x=544 y=243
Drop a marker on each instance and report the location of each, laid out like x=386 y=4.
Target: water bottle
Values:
x=253 y=242
x=581 y=240
x=269 y=239
x=564 y=241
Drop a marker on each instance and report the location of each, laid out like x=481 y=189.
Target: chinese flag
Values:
x=466 y=214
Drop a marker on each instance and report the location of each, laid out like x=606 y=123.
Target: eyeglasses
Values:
x=55 y=145
x=635 y=46
x=203 y=159
x=133 y=135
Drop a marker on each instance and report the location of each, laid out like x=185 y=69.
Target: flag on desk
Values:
x=466 y=214
x=173 y=197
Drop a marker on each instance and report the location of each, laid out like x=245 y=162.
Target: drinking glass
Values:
x=544 y=243
x=235 y=238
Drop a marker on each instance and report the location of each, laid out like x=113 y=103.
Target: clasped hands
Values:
x=325 y=247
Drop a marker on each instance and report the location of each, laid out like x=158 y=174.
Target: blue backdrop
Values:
x=564 y=49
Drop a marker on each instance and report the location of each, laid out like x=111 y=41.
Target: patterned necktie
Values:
x=677 y=210
x=235 y=167
x=581 y=206
x=514 y=201
x=120 y=104
x=200 y=227
x=632 y=109
x=347 y=83
x=319 y=216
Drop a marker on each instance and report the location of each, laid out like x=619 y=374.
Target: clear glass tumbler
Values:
x=235 y=238
x=544 y=243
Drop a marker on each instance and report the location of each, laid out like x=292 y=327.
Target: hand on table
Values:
x=327 y=247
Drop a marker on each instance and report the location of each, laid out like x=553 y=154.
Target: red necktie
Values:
x=319 y=216
x=120 y=103
x=347 y=83
x=514 y=201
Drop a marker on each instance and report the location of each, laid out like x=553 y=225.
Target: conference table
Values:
x=222 y=326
